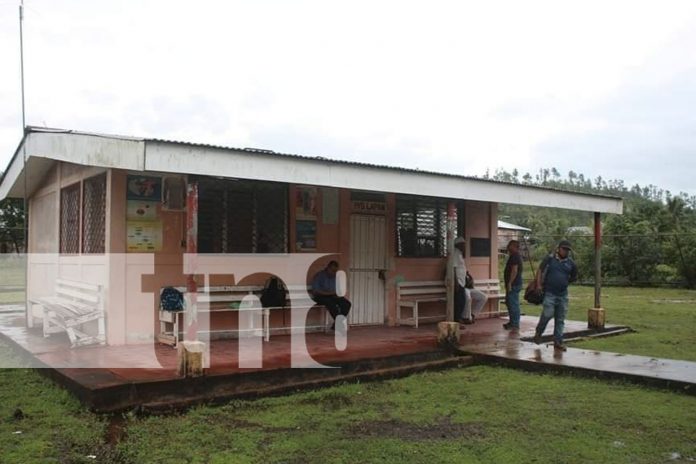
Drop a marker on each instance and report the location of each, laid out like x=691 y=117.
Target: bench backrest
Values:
x=83 y=296
x=226 y=294
x=490 y=287
x=434 y=288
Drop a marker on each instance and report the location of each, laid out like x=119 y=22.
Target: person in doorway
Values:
x=324 y=293
x=468 y=302
x=513 y=285
x=556 y=272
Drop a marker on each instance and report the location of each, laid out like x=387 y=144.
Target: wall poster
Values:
x=306 y=202
x=305 y=235
x=144 y=236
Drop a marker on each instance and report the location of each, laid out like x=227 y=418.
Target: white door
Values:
x=367 y=260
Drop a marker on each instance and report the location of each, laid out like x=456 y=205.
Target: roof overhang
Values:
x=185 y=158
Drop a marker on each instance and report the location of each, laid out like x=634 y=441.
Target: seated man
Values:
x=468 y=301
x=324 y=293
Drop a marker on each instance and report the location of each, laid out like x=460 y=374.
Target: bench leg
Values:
x=415 y=313
x=267 y=324
x=398 y=314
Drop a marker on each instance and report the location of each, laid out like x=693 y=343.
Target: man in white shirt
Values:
x=468 y=302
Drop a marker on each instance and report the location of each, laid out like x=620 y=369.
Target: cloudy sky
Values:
x=603 y=88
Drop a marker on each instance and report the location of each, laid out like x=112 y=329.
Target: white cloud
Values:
x=443 y=85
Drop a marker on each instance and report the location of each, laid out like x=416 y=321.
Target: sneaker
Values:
x=537 y=338
x=560 y=347
x=508 y=326
x=466 y=321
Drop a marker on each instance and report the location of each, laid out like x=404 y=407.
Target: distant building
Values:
x=507 y=232
x=580 y=230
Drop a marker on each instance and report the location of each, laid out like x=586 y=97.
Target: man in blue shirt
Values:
x=555 y=273
x=513 y=285
x=324 y=293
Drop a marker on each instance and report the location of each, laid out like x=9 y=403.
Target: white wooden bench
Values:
x=491 y=287
x=231 y=299
x=411 y=294
x=73 y=305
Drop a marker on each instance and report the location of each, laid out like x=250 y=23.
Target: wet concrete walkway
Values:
x=515 y=350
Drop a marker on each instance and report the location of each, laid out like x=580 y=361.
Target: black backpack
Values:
x=171 y=299
x=274 y=294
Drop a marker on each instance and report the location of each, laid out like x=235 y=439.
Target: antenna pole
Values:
x=25 y=202
x=21 y=59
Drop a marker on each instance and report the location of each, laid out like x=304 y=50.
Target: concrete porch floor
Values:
x=371 y=353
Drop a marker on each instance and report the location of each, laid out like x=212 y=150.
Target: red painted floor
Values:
x=100 y=367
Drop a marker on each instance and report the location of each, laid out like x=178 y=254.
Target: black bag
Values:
x=533 y=294
x=469 y=281
x=171 y=299
x=274 y=294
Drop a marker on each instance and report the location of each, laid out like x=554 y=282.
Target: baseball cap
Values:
x=565 y=244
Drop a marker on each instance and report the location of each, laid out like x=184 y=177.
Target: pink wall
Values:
x=139 y=295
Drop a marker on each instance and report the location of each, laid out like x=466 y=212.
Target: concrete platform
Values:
x=516 y=350
x=371 y=353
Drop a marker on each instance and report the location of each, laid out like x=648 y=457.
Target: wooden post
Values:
x=448 y=334
x=190 y=358
x=449 y=275
x=190 y=316
x=595 y=316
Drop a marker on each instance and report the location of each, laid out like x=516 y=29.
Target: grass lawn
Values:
x=664 y=320
x=478 y=414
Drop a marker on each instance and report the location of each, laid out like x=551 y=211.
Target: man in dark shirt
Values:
x=324 y=293
x=513 y=285
x=555 y=273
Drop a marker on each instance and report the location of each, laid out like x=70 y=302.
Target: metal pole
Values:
x=449 y=284
x=21 y=59
x=598 y=261
x=25 y=201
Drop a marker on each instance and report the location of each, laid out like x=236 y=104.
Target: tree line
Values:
x=653 y=242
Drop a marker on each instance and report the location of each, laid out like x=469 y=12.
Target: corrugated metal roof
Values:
x=510 y=226
x=315 y=159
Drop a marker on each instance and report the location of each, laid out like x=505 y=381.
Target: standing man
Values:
x=513 y=285
x=324 y=293
x=556 y=272
x=468 y=302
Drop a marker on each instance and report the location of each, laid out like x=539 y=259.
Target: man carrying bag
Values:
x=556 y=272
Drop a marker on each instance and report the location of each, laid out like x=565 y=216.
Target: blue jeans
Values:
x=556 y=308
x=512 y=300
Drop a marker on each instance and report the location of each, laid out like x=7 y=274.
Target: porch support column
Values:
x=449 y=284
x=191 y=316
x=595 y=316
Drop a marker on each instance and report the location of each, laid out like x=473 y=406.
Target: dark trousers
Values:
x=459 y=302
x=335 y=304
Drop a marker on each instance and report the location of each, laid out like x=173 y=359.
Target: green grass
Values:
x=664 y=320
x=478 y=414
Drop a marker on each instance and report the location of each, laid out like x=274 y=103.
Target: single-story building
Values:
x=122 y=212
x=508 y=231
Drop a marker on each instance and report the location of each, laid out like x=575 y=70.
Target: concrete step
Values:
x=181 y=393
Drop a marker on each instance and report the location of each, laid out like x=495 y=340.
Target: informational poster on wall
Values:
x=144 y=236
x=144 y=188
x=141 y=210
x=306 y=235
x=143 y=222
x=306 y=202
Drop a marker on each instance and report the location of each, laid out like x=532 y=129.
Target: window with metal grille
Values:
x=94 y=214
x=70 y=219
x=236 y=216
x=421 y=227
